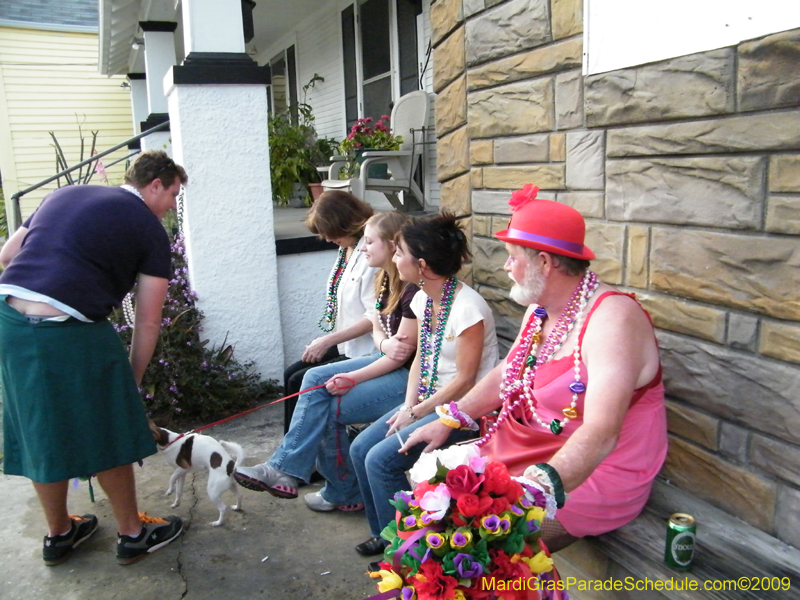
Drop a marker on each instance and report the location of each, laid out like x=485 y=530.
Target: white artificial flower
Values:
x=424 y=469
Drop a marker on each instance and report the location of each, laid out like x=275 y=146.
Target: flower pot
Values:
x=377 y=170
x=316 y=190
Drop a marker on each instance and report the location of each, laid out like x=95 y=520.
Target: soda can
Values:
x=681 y=530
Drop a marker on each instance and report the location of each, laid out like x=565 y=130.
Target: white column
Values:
x=218 y=119
x=139 y=105
x=212 y=26
x=159 y=58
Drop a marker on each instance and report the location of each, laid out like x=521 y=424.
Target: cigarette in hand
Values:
x=399 y=439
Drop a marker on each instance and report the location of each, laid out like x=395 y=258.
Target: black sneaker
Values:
x=156 y=533
x=57 y=549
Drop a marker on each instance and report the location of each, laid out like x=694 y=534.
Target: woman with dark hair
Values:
x=338 y=217
x=457 y=346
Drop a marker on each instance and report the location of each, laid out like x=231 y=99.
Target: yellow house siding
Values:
x=49 y=82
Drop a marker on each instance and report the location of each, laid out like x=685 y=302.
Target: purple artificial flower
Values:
x=459 y=539
x=407 y=593
x=491 y=523
x=410 y=521
x=467 y=566
x=516 y=510
x=505 y=524
x=405 y=496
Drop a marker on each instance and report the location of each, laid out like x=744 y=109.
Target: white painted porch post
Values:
x=159 y=58
x=139 y=105
x=218 y=118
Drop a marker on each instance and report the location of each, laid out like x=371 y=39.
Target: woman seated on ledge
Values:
x=581 y=400
x=457 y=346
x=358 y=390
x=338 y=217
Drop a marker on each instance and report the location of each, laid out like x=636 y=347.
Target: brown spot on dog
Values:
x=231 y=467
x=160 y=436
x=215 y=460
x=184 y=459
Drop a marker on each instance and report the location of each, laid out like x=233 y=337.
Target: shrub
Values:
x=186 y=381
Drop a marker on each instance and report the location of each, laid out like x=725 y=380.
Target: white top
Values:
x=468 y=308
x=355 y=299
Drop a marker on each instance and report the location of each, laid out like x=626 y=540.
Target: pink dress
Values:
x=617 y=490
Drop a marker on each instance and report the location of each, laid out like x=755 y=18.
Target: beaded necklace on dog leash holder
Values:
x=328 y=320
x=521 y=370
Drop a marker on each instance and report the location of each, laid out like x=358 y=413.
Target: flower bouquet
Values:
x=468 y=531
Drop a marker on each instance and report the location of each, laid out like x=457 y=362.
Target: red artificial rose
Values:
x=496 y=479
x=504 y=568
x=482 y=588
x=521 y=197
x=470 y=505
x=514 y=492
x=462 y=480
x=500 y=505
x=423 y=488
x=455 y=516
x=431 y=583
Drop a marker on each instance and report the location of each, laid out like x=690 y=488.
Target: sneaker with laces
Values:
x=316 y=502
x=265 y=478
x=57 y=549
x=156 y=533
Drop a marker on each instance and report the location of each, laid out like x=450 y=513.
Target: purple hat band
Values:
x=541 y=239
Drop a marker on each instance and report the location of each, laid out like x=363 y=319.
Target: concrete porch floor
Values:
x=311 y=555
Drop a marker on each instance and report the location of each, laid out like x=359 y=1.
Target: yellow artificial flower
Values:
x=540 y=563
x=389 y=581
x=459 y=595
x=536 y=514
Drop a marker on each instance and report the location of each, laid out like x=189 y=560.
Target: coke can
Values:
x=681 y=531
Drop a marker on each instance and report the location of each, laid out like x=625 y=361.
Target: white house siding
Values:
x=49 y=82
x=301 y=287
x=320 y=51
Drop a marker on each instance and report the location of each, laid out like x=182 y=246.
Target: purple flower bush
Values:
x=187 y=381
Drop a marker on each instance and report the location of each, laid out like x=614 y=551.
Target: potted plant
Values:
x=362 y=137
x=295 y=150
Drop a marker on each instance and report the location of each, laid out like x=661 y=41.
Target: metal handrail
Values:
x=16 y=213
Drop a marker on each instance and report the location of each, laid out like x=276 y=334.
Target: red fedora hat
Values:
x=545 y=225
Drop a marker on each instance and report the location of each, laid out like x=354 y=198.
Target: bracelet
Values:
x=380 y=347
x=452 y=417
x=410 y=411
x=554 y=480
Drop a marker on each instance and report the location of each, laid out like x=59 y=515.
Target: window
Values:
x=282 y=91
x=379 y=43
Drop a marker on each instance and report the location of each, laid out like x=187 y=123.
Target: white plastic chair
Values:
x=410 y=112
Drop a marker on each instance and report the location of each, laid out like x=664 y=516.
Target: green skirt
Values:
x=70 y=403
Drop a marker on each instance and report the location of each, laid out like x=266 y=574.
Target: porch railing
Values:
x=16 y=213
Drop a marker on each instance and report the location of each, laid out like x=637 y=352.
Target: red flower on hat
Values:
x=521 y=197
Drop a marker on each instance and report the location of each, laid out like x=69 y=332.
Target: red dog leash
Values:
x=247 y=412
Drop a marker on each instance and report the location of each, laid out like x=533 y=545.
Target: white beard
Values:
x=530 y=290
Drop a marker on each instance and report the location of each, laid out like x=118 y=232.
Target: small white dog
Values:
x=194 y=452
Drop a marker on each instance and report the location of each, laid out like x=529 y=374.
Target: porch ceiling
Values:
x=119 y=23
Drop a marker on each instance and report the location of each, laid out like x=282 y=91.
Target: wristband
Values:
x=452 y=417
x=554 y=481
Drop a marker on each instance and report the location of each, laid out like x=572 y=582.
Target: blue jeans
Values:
x=382 y=470
x=317 y=435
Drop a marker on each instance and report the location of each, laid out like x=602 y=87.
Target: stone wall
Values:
x=688 y=173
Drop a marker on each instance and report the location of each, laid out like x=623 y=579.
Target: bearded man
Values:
x=581 y=402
